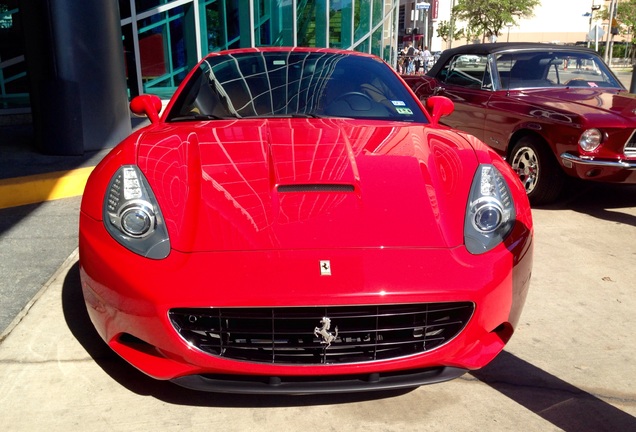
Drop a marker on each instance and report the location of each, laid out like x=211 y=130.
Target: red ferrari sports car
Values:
x=295 y=222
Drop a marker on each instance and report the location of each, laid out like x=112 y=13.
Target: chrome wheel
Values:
x=537 y=167
x=525 y=163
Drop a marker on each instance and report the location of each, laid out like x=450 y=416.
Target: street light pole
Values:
x=451 y=26
x=589 y=39
x=610 y=36
x=425 y=27
x=424 y=7
x=596 y=38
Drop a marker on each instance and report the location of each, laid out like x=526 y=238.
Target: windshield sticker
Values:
x=279 y=62
x=398 y=103
x=405 y=111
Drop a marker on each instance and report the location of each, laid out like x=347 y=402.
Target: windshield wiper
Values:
x=201 y=117
x=307 y=115
x=291 y=115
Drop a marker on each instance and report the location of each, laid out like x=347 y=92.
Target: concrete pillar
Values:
x=75 y=64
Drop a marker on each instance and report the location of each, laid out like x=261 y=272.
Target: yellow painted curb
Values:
x=43 y=187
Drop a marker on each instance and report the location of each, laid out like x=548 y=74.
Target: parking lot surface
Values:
x=570 y=365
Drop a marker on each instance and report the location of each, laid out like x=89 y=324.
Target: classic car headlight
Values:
x=590 y=139
x=132 y=216
x=490 y=214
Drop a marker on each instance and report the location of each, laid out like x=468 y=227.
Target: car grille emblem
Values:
x=325 y=268
x=326 y=337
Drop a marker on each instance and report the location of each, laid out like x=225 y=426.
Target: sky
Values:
x=558 y=15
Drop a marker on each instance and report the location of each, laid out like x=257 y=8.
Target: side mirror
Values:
x=148 y=105
x=439 y=106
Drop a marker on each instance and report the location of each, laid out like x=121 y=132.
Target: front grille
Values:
x=630 y=147
x=319 y=335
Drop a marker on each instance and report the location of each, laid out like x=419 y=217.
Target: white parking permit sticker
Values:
x=398 y=103
x=406 y=111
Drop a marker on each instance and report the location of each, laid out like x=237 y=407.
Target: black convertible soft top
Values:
x=489 y=48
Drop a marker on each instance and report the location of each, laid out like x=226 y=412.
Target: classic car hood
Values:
x=307 y=183
x=582 y=100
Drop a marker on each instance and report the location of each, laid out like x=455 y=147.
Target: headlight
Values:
x=132 y=216
x=137 y=219
x=590 y=140
x=490 y=214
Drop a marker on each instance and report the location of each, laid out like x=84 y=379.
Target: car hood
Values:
x=307 y=183
x=582 y=101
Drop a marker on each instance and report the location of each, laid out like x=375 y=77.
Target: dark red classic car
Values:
x=551 y=111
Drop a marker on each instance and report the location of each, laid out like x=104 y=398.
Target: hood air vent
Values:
x=316 y=188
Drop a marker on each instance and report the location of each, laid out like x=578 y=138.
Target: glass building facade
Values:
x=14 y=87
x=164 y=39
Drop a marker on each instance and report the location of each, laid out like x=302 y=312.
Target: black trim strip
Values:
x=326 y=187
x=254 y=384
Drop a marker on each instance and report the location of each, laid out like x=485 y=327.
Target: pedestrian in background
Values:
x=426 y=56
x=410 y=54
x=417 y=60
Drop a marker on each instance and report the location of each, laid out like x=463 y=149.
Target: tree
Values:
x=626 y=16
x=488 y=17
x=624 y=24
x=444 y=29
x=626 y=19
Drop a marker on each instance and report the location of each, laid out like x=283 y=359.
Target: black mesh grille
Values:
x=293 y=335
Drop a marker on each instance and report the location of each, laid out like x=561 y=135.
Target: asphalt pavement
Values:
x=570 y=365
x=625 y=76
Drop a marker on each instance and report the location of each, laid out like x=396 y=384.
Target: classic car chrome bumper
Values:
x=569 y=160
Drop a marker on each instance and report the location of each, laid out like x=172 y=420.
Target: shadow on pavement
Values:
x=551 y=398
x=79 y=323
x=599 y=200
x=19 y=156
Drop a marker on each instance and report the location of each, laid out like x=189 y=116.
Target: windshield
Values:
x=294 y=84
x=532 y=69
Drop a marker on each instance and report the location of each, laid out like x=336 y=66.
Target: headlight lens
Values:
x=490 y=214
x=132 y=215
x=138 y=219
x=590 y=140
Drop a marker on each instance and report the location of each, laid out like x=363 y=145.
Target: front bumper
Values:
x=611 y=171
x=129 y=297
x=311 y=385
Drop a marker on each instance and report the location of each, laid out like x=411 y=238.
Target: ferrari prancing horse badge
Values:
x=325 y=268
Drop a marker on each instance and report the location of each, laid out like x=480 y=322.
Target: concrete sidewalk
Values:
x=39 y=212
x=570 y=365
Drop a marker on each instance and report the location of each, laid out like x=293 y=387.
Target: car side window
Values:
x=467 y=70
